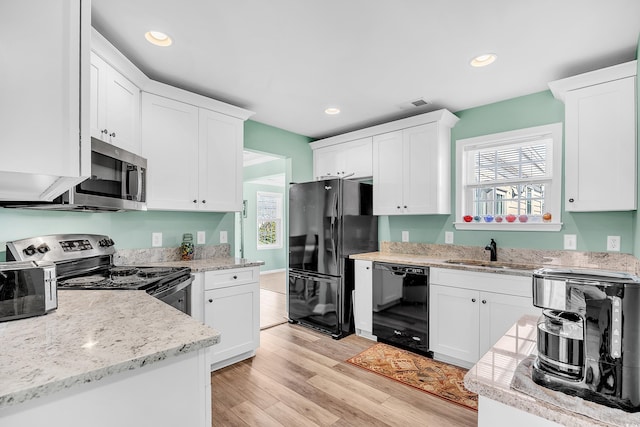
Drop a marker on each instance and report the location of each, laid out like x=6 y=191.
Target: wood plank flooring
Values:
x=273 y=300
x=300 y=378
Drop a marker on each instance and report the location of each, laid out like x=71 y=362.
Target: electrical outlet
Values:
x=405 y=236
x=223 y=237
x=156 y=240
x=570 y=242
x=448 y=237
x=202 y=238
x=613 y=243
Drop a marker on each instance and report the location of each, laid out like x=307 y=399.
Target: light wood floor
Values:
x=300 y=378
x=273 y=303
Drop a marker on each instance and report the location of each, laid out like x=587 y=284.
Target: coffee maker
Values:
x=589 y=335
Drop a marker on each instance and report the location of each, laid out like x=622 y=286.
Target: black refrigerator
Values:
x=328 y=221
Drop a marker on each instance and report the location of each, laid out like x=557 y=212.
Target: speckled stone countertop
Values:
x=491 y=377
x=429 y=261
x=198 y=265
x=92 y=334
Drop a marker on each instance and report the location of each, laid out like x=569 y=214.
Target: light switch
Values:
x=570 y=242
x=405 y=236
x=202 y=238
x=448 y=237
x=223 y=237
x=156 y=240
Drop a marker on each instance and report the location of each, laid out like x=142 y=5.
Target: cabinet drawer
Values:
x=225 y=278
x=490 y=282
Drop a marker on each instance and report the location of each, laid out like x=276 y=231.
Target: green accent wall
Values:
x=535 y=109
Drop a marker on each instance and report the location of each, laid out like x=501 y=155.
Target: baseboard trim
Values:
x=279 y=270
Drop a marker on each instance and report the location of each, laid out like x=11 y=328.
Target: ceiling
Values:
x=288 y=60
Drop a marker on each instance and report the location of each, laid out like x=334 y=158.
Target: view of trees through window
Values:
x=269 y=215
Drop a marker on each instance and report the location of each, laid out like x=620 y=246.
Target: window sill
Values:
x=509 y=226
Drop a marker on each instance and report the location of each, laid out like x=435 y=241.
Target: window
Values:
x=269 y=213
x=510 y=180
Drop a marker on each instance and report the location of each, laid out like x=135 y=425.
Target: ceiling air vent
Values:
x=419 y=102
x=416 y=103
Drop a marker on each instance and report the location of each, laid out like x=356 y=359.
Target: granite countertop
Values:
x=199 y=265
x=491 y=377
x=430 y=261
x=92 y=334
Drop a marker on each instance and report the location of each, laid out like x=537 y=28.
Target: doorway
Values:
x=261 y=230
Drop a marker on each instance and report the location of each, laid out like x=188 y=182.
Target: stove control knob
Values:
x=29 y=250
x=111 y=242
x=44 y=248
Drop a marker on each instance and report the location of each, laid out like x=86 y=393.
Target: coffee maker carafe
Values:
x=589 y=335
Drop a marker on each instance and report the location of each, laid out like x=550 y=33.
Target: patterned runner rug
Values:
x=439 y=379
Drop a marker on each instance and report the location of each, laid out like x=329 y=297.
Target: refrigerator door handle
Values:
x=334 y=218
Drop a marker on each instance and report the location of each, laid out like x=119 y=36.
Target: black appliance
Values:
x=401 y=306
x=85 y=261
x=328 y=221
x=589 y=335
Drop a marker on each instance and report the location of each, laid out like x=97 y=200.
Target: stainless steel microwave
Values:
x=118 y=182
x=27 y=289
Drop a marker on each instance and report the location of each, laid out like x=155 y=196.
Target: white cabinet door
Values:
x=600 y=147
x=388 y=174
x=453 y=322
x=115 y=107
x=498 y=313
x=327 y=162
x=45 y=134
x=411 y=171
x=235 y=312
x=363 y=310
x=422 y=160
x=220 y=162
x=170 y=144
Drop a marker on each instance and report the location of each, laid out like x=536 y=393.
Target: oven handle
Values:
x=173 y=289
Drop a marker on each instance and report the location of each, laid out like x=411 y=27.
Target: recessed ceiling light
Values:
x=332 y=111
x=158 y=38
x=483 y=60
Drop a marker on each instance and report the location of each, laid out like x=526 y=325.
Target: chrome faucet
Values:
x=493 y=247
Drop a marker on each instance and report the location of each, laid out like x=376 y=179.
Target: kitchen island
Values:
x=106 y=358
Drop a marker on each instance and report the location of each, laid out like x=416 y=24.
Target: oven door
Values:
x=178 y=297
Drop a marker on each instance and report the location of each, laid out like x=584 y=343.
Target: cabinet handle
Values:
x=235 y=277
x=473 y=300
x=571 y=200
x=484 y=301
x=210 y=299
x=367 y=268
x=104 y=131
x=180 y=300
x=112 y=135
x=405 y=206
x=195 y=201
x=398 y=207
x=204 y=201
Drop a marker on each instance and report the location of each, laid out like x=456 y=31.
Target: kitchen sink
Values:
x=492 y=264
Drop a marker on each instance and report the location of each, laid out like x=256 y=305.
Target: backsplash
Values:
x=149 y=255
x=545 y=258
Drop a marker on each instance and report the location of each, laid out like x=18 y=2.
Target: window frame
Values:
x=279 y=221
x=553 y=196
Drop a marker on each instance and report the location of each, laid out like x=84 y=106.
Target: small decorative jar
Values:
x=186 y=249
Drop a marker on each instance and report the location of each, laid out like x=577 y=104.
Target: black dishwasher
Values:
x=401 y=306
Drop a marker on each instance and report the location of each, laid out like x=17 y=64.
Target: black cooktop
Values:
x=150 y=279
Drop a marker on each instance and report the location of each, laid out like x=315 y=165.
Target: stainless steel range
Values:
x=85 y=261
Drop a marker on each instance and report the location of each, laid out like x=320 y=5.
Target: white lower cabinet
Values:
x=470 y=311
x=232 y=307
x=363 y=298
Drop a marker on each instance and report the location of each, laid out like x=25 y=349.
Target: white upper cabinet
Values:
x=600 y=139
x=45 y=135
x=351 y=160
x=170 y=145
x=114 y=106
x=194 y=156
x=220 y=156
x=412 y=171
